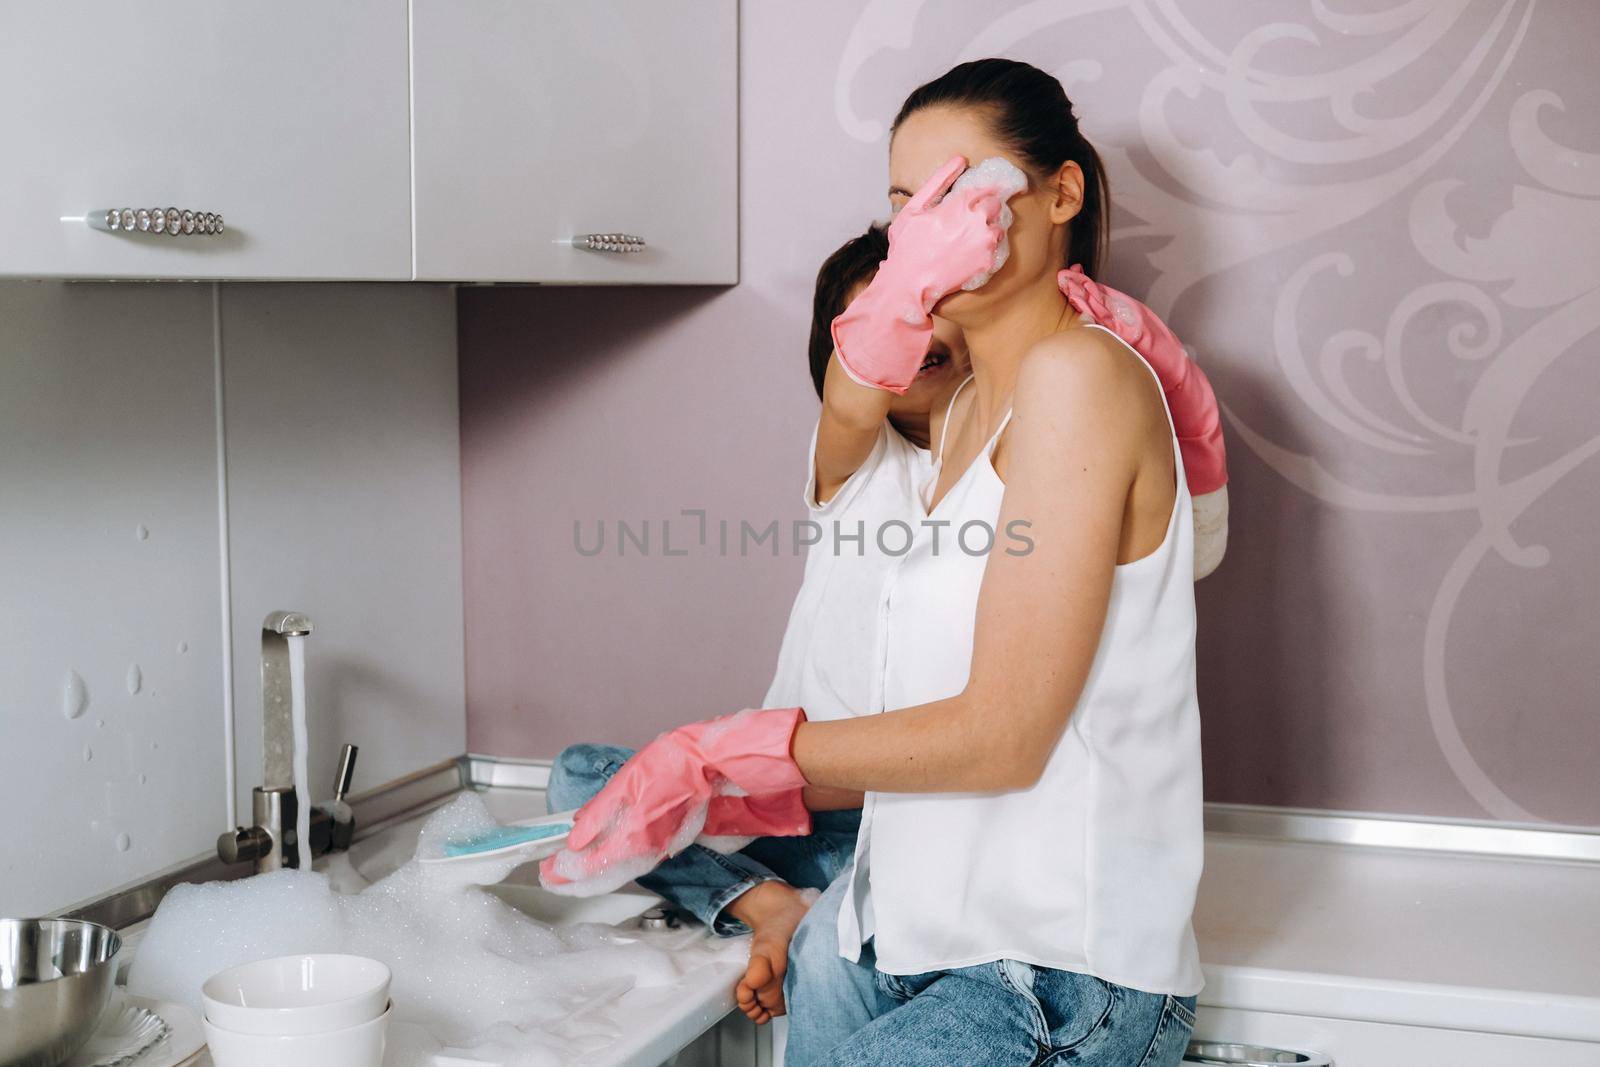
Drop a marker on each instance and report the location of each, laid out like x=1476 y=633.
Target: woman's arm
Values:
x=852 y=418
x=1085 y=413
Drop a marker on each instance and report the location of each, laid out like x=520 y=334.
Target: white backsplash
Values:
x=344 y=503
x=344 y=476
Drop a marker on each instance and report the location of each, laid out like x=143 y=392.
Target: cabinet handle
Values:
x=1229 y=1054
x=174 y=222
x=608 y=242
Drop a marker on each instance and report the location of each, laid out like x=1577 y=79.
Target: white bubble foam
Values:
x=1005 y=176
x=466 y=817
x=473 y=977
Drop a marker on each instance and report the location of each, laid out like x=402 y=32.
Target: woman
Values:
x=1031 y=837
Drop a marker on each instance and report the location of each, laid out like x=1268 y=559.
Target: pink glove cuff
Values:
x=863 y=329
x=751 y=748
x=1196 y=418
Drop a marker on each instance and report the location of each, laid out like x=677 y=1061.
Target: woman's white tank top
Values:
x=1094 y=868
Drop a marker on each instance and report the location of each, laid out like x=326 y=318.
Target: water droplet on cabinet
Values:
x=124 y=842
x=100 y=724
x=135 y=678
x=74 y=695
x=183 y=646
x=142 y=532
x=88 y=754
x=143 y=778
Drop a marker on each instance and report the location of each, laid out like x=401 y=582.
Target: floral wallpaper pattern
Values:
x=1377 y=225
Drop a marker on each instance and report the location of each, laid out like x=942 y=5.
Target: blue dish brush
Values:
x=505 y=838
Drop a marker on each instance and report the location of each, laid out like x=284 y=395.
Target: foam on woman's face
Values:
x=1005 y=176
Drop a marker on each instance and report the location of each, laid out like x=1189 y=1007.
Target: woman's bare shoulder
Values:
x=1084 y=373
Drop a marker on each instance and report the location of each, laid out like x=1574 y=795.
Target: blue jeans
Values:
x=703 y=882
x=844 y=1014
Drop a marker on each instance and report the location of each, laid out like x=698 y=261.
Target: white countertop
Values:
x=1391 y=935
x=1449 y=940
x=1505 y=945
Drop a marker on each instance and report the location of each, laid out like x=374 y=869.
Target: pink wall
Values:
x=1381 y=246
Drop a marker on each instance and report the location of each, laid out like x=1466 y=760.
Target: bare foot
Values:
x=772 y=910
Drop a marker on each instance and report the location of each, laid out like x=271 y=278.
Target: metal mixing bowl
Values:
x=55 y=978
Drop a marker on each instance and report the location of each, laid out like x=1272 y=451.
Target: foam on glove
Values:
x=591 y=873
x=728 y=778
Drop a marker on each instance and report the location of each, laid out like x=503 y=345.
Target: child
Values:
x=826 y=663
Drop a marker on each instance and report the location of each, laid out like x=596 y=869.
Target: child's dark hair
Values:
x=1030 y=112
x=854 y=263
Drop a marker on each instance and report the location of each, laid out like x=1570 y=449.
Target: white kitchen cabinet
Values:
x=535 y=120
x=289 y=119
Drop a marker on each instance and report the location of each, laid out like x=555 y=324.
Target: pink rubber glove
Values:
x=1195 y=415
x=936 y=243
x=770 y=815
x=734 y=822
x=661 y=800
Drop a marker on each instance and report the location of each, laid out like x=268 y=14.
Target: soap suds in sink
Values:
x=472 y=975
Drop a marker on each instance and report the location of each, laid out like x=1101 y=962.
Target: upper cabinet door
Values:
x=289 y=119
x=537 y=120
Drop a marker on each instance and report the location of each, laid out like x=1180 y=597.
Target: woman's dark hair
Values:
x=853 y=263
x=1031 y=113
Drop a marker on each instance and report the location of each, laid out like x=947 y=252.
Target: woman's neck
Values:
x=998 y=345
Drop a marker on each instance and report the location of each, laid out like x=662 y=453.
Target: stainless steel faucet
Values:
x=271 y=842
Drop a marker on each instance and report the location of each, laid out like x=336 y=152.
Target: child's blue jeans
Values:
x=1003 y=1014
x=703 y=882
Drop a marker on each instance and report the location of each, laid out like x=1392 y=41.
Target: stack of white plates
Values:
x=304 y=1011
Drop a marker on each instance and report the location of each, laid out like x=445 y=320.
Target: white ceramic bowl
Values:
x=354 y=1046
x=308 y=994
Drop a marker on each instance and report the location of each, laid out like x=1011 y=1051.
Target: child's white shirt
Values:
x=831 y=660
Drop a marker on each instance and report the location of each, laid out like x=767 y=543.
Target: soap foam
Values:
x=473 y=977
x=1003 y=175
x=585 y=876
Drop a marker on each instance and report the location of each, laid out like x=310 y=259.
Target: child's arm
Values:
x=937 y=242
x=852 y=417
